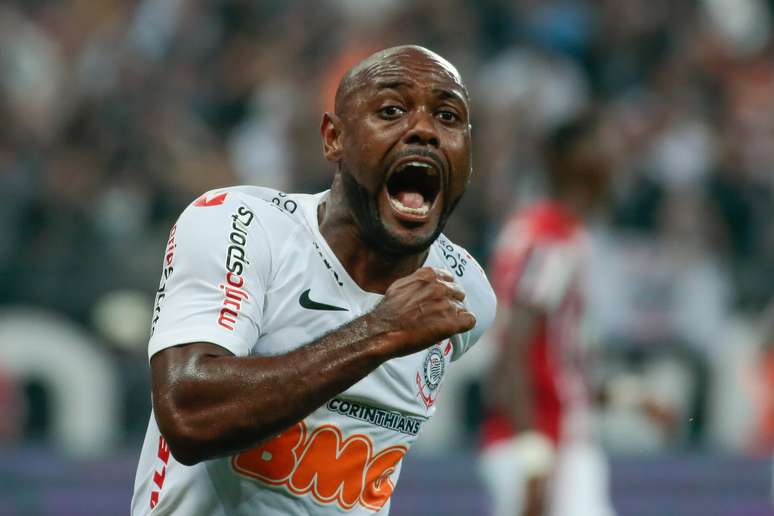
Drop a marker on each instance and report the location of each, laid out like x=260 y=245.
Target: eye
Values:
x=391 y=112
x=447 y=116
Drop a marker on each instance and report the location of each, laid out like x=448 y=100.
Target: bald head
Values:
x=401 y=142
x=394 y=62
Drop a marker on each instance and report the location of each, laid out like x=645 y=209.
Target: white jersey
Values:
x=246 y=268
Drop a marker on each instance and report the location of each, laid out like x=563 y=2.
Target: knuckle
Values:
x=439 y=273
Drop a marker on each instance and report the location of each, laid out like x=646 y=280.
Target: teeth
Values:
x=420 y=164
x=423 y=210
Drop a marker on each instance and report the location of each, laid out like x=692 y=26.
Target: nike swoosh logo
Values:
x=314 y=305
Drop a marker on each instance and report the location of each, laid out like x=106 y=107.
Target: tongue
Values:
x=411 y=199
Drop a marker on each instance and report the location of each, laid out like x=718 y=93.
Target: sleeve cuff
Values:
x=168 y=339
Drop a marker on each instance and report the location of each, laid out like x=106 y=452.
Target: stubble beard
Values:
x=365 y=211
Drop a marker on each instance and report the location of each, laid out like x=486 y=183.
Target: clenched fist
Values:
x=419 y=310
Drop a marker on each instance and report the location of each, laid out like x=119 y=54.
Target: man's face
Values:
x=406 y=156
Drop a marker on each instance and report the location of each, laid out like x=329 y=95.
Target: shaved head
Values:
x=400 y=138
x=393 y=61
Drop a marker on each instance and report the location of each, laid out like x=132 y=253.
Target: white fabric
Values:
x=504 y=479
x=577 y=487
x=580 y=482
x=534 y=451
x=346 y=456
x=548 y=274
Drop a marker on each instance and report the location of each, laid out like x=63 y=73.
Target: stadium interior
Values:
x=118 y=113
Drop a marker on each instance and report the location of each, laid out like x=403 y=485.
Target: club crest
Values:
x=433 y=369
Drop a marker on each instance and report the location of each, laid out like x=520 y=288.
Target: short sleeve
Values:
x=479 y=299
x=546 y=275
x=532 y=269
x=214 y=276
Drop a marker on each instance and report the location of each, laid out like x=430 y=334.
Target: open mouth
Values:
x=413 y=188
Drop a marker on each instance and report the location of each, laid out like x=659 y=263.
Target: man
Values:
x=536 y=429
x=299 y=341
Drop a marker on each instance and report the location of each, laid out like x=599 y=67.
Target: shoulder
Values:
x=458 y=260
x=261 y=210
x=479 y=296
x=265 y=203
x=544 y=223
x=548 y=220
x=469 y=274
x=249 y=221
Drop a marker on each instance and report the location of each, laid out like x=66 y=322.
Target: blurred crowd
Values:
x=118 y=113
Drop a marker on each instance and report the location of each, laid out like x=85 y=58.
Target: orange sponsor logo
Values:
x=333 y=469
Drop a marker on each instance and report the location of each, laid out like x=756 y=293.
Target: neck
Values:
x=575 y=201
x=372 y=269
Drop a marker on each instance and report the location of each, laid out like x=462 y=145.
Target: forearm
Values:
x=518 y=406
x=209 y=403
x=515 y=395
x=218 y=404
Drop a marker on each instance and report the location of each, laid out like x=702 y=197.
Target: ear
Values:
x=330 y=131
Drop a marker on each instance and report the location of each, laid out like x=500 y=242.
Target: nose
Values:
x=423 y=131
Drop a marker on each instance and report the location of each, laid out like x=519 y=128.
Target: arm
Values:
x=513 y=394
x=511 y=375
x=535 y=274
x=534 y=281
x=210 y=403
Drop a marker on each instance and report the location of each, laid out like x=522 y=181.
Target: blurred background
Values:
x=116 y=114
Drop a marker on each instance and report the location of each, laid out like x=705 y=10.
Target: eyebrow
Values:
x=441 y=92
x=449 y=94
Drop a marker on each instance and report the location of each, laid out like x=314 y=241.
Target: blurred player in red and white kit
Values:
x=538 y=456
